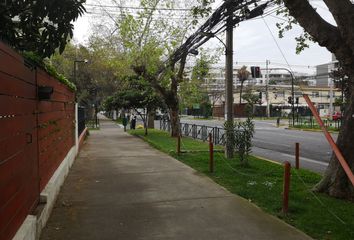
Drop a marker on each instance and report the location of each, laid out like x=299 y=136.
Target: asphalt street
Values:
x=278 y=144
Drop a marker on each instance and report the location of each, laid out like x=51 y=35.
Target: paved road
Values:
x=279 y=144
x=122 y=188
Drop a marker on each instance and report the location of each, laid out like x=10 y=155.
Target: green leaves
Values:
x=240 y=136
x=203 y=9
x=191 y=90
x=302 y=41
x=50 y=69
x=137 y=94
x=39 y=26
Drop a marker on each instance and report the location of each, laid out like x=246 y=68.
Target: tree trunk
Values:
x=339 y=40
x=241 y=92
x=151 y=119
x=335 y=182
x=174 y=120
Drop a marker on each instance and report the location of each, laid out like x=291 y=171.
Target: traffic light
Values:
x=256 y=72
x=290 y=100
x=297 y=100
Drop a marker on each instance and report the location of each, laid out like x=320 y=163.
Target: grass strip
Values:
x=318 y=215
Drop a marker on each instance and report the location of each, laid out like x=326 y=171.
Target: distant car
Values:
x=336 y=116
x=162 y=116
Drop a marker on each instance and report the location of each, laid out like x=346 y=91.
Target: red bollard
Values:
x=211 y=154
x=179 y=145
x=286 y=188
x=297 y=155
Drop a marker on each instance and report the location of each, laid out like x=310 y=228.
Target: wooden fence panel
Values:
x=35 y=136
x=13 y=65
x=19 y=181
x=13 y=86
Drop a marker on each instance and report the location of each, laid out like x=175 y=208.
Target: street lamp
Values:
x=212 y=35
x=194 y=52
x=292 y=91
x=75 y=66
x=228 y=79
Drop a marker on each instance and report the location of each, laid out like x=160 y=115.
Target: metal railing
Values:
x=310 y=122
x=81 y=120
x=195 y=131
x=92 y=123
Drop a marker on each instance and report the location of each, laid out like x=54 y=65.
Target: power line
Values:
x=93 y=12
x=276 y=42
x=144 y=8
x=139 y=8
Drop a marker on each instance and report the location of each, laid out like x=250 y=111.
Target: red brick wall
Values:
x=35 y=136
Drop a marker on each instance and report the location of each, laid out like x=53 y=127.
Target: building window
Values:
x=315 y=94
x=280 y=94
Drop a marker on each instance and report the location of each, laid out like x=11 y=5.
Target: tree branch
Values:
x=321 y=31
x=147 y=23
x=181 y=68
x=343 y=13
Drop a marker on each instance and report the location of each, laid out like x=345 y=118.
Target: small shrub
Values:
x=243 y=139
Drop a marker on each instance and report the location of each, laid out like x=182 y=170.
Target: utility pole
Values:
x=229 y=83
x=267 y=90
x=331 y=99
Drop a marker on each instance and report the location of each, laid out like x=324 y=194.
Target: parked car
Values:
x=336 y=116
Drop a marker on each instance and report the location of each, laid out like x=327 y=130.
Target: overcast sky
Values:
x=253 y=42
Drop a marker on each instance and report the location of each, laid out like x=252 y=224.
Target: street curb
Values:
x=309 y=130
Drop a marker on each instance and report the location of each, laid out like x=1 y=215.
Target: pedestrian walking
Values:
x=125 y=123
x=133 y=123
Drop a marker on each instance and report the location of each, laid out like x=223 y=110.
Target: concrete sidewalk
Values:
x=121 y=188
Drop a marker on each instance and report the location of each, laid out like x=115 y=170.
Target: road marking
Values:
x=267 y=159
x=306 y=159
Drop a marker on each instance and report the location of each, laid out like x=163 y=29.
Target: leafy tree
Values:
x=194 y=90
x=138 y=95
x=340 y=81
x=101 y=76
x=39 y=26
x=149 y=42
x=251 y=100
x=242 y=75
x=338 y=39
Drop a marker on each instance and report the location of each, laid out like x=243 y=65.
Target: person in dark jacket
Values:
x=133 y=123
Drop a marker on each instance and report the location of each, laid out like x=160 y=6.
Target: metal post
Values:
x=297 y=155
x=292 y=90
x=179 y=144
x=75 y=72
x=211 y=154
x=286 y=187
x=267 y=90
x=293 y=97
x=228 y=80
